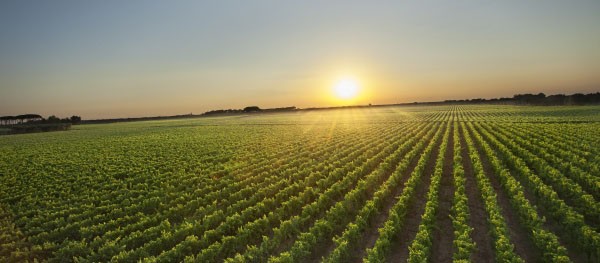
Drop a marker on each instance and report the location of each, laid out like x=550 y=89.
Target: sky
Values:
x=107 y=59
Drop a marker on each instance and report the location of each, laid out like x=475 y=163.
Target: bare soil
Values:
x=484 y=251
x=575 y=253
x=326 y=247
x=371 y=234
x=570 y=201
x=415 y=210
x=442 y=247
x=524 y=246
x=527 y=246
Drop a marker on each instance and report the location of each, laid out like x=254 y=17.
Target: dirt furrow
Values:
x=371 y=234
x=484 y=251
x=524 y=246
x=415 y=211
x=441 y=250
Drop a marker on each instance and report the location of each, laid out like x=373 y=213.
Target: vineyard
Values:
x=381 y=184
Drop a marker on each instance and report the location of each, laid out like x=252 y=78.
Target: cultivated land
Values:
x=478 y=183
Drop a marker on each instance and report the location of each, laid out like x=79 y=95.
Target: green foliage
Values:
x=420 y=249
x=296 y=187
x=463 y=244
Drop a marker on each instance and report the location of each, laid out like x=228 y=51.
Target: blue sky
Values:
x=102 y=59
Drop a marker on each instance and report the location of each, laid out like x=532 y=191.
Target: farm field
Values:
x=385 y=184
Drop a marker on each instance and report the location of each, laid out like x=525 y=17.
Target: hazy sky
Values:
x=103 y=59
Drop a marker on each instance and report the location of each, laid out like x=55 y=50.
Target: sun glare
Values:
x=346 y=88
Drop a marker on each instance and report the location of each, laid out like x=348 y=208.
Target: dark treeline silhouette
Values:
x=223 y=112
x=519 y=99
x=252 y=109
x=292 y=108
x=249 y=109
x=38 y=127
x=537 y=99
x=31 y=119
x=73 y=120
x=28 y=123
x=99 y=121
x=19 y=119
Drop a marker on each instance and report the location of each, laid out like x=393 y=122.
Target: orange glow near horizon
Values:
x=162 y=61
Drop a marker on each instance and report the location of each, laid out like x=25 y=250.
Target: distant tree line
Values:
x=537 y=99
x=73 y=119
x=155 y=118
x=518 y=99
x=32 y=119
x=19 y=119
x=223 y=112
x=28 y=123
x=249 y=109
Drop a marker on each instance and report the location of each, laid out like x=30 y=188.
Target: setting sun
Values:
x=346 y=88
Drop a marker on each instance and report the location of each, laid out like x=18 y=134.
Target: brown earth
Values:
x=371 y=234
x=441 y=250
x=484 y=251
x=524 y=246
x=415 y=209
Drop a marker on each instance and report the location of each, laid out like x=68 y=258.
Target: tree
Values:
x=252 y=109
x=75 y=119
x=53 y=119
